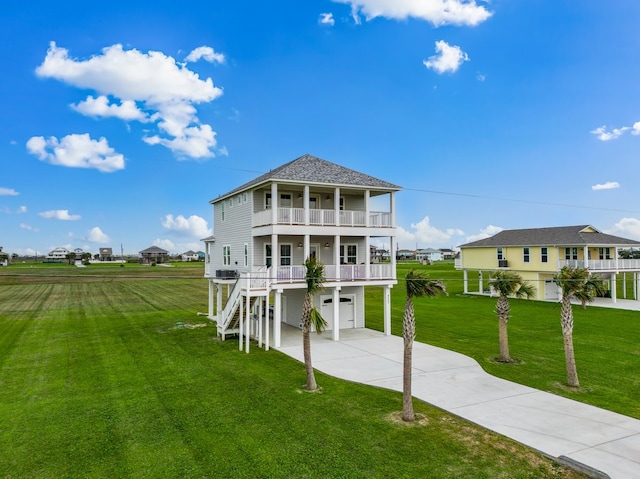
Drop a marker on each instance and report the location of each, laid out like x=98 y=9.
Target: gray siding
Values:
x=235 y=231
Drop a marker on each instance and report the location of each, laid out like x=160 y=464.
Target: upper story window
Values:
x=342 y=203
x=499 y=254
x=525 y=255
x=246 y=254
x=544 y=255
x=285 y=200
x=285 y=255
x=222 y=210
x=226 y=255
x=352 y=254
x=313 y=202
x=604 y=253
x=267 y=201
x=570 y=253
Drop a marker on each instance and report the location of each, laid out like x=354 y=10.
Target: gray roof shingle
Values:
x=310 y=169
x=553 y=236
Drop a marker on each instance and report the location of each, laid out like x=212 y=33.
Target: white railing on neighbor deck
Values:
x=603 y=264
x=295 y=216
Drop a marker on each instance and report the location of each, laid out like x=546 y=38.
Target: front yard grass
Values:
x=97 y=380
x=607 y=341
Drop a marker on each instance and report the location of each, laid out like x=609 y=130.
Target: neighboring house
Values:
x=154 y=254
x=201 y=255
x=57 y=255
x=448 y=253
x=379 y=255
x=106 y=254
x=429 y=255
x=538 y=255
x=264 y=231
x=4 y=258
x=405 y=254
x=189 y=256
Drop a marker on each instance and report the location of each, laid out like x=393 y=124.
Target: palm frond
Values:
x=419 y=284
x=317 y=321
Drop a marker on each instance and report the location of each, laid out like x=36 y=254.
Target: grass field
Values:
x=607 y=341
x=96 y=380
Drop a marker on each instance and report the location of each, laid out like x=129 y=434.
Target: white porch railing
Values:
x=319 y=217
x=603 y=264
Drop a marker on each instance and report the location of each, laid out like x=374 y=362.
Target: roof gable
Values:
x=310 y=169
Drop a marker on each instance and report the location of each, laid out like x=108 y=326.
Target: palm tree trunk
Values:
x=567 y=335
x=408 y=335
x=306 y=344
x=503 y=310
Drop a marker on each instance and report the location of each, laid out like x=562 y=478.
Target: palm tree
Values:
x=592 y=287
x=573 y=283
x=508 y=283
x=314 y=277
x=418 y=284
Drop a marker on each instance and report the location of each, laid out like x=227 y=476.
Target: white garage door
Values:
x=346 y=311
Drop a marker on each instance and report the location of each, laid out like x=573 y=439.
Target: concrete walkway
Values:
x=602 y=440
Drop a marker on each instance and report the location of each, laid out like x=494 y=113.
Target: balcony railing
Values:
x=348 y=272
x=319 y=217
x=603 y=264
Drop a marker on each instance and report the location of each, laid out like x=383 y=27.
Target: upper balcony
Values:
x=603 y=265
x=322 y=217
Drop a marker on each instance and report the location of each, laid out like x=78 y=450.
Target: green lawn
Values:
x=607 y=341
x=96 y=380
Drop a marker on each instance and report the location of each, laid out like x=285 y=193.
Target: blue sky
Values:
x=120 y=122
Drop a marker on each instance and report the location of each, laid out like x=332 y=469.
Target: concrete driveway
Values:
x=559 y=427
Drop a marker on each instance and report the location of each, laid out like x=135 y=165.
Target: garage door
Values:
x=346 y=311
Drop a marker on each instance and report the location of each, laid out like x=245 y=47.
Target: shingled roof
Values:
x=581 y=235
x=310 y=169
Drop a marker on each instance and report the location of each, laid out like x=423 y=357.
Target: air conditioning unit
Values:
x=503 y=263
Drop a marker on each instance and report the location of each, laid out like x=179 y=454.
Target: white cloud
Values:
x=448 y=58
x=97 y=236
x=150 y=84
x=604 y=135
x=22 y=209
x=194 y=226
x=165 y=244
x=101 y=108
x=27 y=227
x=59 y=215
x=626 y=227
x=480 y=77
x=437 y=12
x=326 y=19
x=76 y=151
x=8 y=192
x=205 y=53
x=609 y=185
x=484 y=233
x=635 y=129
x=424 y=233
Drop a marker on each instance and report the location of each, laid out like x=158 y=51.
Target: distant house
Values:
x=189 y=256
x=4 y=258
x=154 y=254
x=57 y=255
x=428 y=255
x=378 y=255
x=201 y=255
x=404 y=254
x=448 y=253
x=538 y=254
x=106 y=254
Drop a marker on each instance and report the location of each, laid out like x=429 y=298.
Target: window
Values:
x=246 y=254
x=525 y=255
x=544 y=255
x=313 y=202
x=244 y=198
x=499 y=252
x=604 y=253
x=342 y=203
x=351 y=256
x=222 y=210
x=285 y=255
x=267 y=255
x=267 y=201
x=285 y=200
x=570 y=253
x=226 y=255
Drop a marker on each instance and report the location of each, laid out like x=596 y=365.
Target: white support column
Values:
x=335 y=332
x=306 y=205
x=585 y=253
x=274 y=203
x=392 y=207
x=241 y=324
x=616 y=252
x=266 y=322
x=218 y=300
x=614 y=298
x=367 y=256
x=636 y=280
x=336 y=255
x=306 y=247
x=212 y=298
x=336 y=205
x=367 y=208
x=392 y=254
x=465 y=281
x=247 y=312
x=277 y=317
x=275 y=257
x=624 y=285
x=387 y=310
x=480 y=281
x=260 y=316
